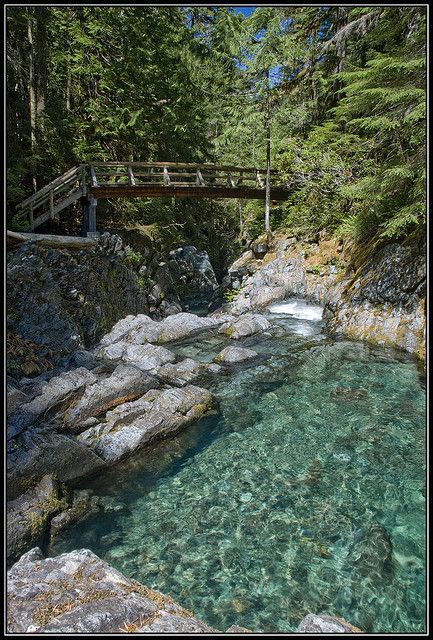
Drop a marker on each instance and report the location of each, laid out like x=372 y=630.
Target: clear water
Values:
x=304 y=493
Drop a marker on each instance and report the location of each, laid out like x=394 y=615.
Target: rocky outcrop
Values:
x=61 y=300
x=74 y=423
x=385 y=301
x=325 y=624
x=289 y=269
x=188 y=274
x=78 y=592
x=382 y=301
x=141 y=329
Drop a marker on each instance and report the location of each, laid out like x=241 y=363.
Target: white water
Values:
x=297 y=309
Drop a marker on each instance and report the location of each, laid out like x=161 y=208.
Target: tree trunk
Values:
x=268 y=158
x=32 y=87
x=41 y=54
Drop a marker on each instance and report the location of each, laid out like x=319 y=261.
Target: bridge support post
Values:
x=89 y=210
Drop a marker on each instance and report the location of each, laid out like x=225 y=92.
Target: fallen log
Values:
x=63 y=242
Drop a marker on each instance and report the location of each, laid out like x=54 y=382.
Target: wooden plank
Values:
x=45 y=190
x=187 y=191
x=70 y=242
x=259 y=180
x=185 y=165
x=46 y=215
x=131 y=177
x=93 y=176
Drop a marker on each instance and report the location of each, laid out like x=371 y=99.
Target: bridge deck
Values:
x=169 y=191
x=105 y=180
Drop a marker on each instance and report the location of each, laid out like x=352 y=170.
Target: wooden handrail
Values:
x=58 y=182
x=179 y=165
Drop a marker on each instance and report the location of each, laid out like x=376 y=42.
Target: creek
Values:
x=304 y=492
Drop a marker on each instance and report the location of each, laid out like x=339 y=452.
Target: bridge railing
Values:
x=174 y=174
x=55 y=196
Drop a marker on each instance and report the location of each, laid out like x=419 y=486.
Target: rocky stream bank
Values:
x=98 y=333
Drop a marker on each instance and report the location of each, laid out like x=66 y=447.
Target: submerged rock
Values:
x=325 y=624
x=78 y=592
x=235 y=354
x=370 y=553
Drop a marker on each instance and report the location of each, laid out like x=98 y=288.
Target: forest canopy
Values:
x=343 y=90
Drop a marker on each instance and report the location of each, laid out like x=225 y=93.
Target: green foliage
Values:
x=19 y=222
x=135 y=258
x=144 y=282
x=230 y=294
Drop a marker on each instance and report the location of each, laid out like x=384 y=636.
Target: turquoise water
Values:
x=304 y=493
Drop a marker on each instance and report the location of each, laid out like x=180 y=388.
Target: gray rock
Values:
x=181 y=373
x=142 y=329
x=124 y=384
x=84 y=505
x=28 y=517
x=235 y=354
x=56 y=395
x=78 y=592
x=61 y=300
x=325 y=624
x=385 y=302
x=36 y=453
x=244 y=326
x=134 y=424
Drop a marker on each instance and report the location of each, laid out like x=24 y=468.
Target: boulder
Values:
x=125 y=383
x=146 y=357
x=134 y=424
x=313 y=623
x=181 y=373
x=235 y=354
x=244 y=326
x=78 y=592
x=38 y=452
x=56 y=395
x=142 y=329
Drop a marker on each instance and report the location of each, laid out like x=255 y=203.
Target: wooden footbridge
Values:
x=105 y=180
